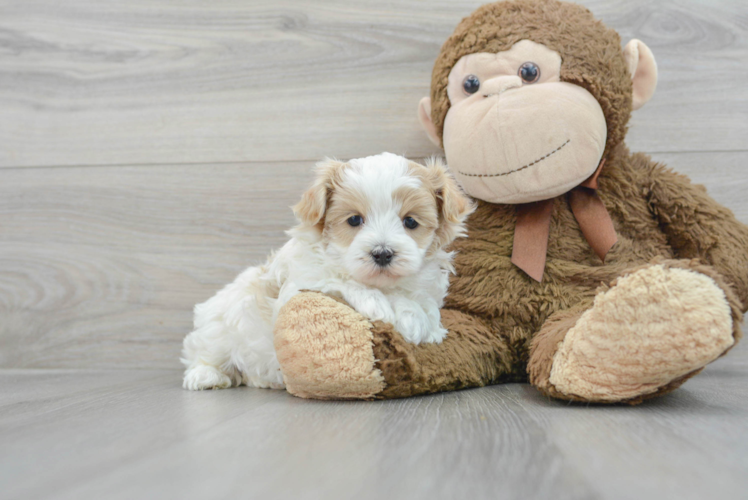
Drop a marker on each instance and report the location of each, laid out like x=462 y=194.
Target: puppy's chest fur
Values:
x=303 y=264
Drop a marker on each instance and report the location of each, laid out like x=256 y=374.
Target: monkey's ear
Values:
x=311 y=209
x=643 y=69
x=424 y=116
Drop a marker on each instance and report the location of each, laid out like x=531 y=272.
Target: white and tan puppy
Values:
x=373 y=232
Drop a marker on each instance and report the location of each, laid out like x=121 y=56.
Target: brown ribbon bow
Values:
x=534 y=224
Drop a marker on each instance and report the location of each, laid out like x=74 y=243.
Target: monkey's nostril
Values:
x=382 y=257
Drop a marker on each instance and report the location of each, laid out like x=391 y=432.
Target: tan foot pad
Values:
x=652 y=327
x=325 y=349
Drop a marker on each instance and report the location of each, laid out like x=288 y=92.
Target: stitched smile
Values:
x=520 y=168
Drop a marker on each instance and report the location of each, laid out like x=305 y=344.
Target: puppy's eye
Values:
x=410 y=223
x=355 y=220
x=529 y=72
x=471 y=84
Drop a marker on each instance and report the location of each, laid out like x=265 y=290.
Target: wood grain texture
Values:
x=149 y=151
x=100 y=266
x=87 y=82
x=72 y=434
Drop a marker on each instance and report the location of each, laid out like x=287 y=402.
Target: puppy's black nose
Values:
x=382 y=257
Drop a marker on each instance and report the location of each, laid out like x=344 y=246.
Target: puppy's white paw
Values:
x=417 y=329
x=415 y=324
x=370 y=303
x=202 y=377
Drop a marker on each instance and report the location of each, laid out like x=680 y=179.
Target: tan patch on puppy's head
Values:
x=452 y=206
x=421 y=205
x=344 y=204
x=314 y=202
x=438 y=205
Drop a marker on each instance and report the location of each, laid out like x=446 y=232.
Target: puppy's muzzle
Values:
x=382 y=256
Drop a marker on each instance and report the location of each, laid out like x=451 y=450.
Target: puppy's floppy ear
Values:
x=454 y=206
x=311 y=209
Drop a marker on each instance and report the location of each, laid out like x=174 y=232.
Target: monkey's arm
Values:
x=327 y=350
x=698 y=227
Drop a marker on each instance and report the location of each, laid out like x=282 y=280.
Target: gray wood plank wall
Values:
x=149 y=150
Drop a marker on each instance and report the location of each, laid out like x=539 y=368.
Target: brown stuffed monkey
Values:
x=596 y=274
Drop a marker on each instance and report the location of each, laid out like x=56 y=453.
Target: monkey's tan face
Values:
x=514 y=132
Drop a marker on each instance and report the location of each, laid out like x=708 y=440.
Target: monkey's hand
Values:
x=698 y=227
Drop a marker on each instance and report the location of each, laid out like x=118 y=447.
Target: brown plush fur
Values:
x=503 y=324
x=518 y=310
x=477 y=357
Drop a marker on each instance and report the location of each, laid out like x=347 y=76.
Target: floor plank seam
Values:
x=308 y=160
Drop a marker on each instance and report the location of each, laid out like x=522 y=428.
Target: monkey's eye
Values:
x=529 y=72
x=410 y=223
x=471 y=84
x=355 y=220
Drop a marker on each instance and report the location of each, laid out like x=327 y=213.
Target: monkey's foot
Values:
x=325 y=349
x=644 y=336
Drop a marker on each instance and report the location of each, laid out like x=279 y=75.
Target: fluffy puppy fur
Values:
x=371 y=231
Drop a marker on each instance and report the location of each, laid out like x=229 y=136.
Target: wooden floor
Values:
x=73 y=434
x=149 y=150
